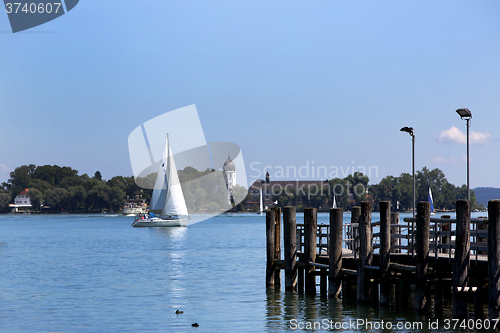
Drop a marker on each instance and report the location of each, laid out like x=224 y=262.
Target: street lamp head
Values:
x=464 y=113
x=408 y=130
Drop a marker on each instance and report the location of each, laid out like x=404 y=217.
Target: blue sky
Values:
x=293 y=83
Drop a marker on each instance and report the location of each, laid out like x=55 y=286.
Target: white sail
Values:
x=431 y=201
x=160 y=190
x=175 y=205
x=334 y=203
x=167 y=195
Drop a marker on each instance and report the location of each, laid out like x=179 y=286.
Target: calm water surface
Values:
x=95 y=273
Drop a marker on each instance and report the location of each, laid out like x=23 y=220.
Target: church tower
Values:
x=230 y=177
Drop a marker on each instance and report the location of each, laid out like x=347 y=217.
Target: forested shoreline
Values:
x=63 y=189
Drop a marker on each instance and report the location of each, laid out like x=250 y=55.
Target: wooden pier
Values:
x=440 y=257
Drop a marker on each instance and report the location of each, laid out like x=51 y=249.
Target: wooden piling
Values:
x=335 y=253
x=385 y=247
x=422 y=254
x=365 y=252
x=494 y=259
x=395 y=231
x=355 y=214
x=290 y=247
x=271 y=247
x=461 y=262
x=323 y=282
x=277 y=243
x=310 y=235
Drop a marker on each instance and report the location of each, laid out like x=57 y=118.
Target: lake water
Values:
x=96 y=273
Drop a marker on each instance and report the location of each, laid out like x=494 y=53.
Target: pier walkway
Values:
x=434 y=257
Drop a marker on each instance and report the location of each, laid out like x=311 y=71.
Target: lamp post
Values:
x=467 y=115
x=411 y=131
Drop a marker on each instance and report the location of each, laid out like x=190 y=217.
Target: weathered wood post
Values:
x=355 y=215
x=300 y=268
x=365 y=252
x=290 y=247
x=461 y=263
x=422 y=252
x=494 y=259
x=310 y=231
x=395 y=240
x=385 y=248
x=277 y=243
x=335 y=255
x=271 y=247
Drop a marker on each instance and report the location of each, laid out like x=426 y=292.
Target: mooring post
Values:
x=355 y=214
x=277 y=243
x=422 y=252
x=385 y=248
x=323 y=282
x=271 y=247
x=335 y=253
x=494 y=259
x=461 y=263
x=478 y=299
x=300 y=269
x=310 y=235
x=365 y=252
x=395 y=240
x=290 y=244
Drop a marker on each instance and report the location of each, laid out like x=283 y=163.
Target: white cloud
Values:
x=454 y=135
x=438 y=159
x=451 y=160
x=5 y=168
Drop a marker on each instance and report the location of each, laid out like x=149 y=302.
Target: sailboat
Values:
x=261 y=203
x=334 y=203
x=429 y=199
x=168 y=199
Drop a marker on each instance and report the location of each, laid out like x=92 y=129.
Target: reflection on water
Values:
x=172 y=234
x=292 y=311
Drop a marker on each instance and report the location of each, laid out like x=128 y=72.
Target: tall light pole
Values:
x=467 y=115
x=411 y=131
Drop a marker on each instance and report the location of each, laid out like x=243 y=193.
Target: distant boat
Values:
x=168 y=199
x=261 y=203
x=135 y=206
x=429 y=199
x=334 y=203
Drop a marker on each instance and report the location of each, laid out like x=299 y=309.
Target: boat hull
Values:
x=160 y=223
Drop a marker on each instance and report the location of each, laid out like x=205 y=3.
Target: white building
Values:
x=22 y=199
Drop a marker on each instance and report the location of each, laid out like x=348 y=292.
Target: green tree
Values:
x=40 y=185
x=21 y=178
x=5 y=200
x=98 y=197
x=77 y=196
x=56 y=198
x=36 y=198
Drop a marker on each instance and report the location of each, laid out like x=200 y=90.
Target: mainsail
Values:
x=167 y=194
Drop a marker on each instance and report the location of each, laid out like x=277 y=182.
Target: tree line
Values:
x=354 y=188
x=62 y=189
